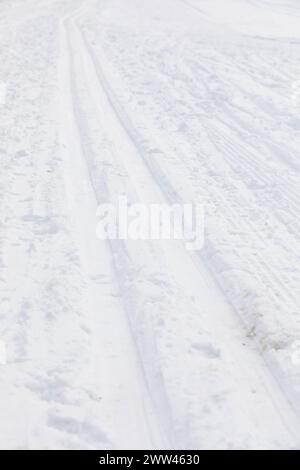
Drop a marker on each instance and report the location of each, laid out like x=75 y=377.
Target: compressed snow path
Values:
x=127 y=344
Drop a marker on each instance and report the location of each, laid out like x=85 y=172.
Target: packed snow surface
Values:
x=126 y=344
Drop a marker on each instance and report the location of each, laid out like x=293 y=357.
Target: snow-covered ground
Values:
x=143 y=344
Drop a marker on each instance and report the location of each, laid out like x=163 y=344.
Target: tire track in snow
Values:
x=147 y=429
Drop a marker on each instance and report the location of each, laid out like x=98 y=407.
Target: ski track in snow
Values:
x=127 y=344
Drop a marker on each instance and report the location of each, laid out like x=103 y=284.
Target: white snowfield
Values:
x=142 y=344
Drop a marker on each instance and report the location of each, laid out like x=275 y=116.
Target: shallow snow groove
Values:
x=141 y=344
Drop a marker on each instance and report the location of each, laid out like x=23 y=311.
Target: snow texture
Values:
x=129 y=345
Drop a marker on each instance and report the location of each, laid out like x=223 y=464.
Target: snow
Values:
x=125 y=344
